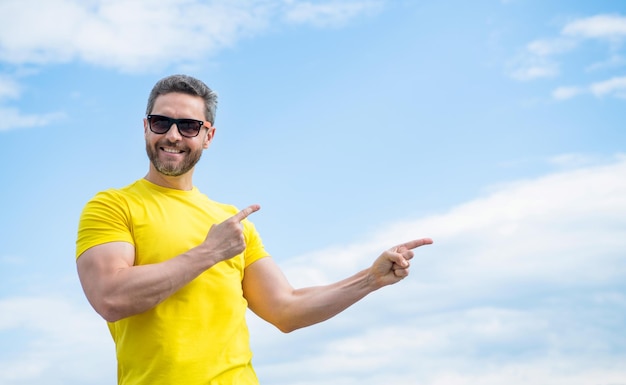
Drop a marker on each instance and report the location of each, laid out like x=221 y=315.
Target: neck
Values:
x=181 y=182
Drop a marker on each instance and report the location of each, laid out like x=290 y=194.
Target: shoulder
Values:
x=117 y=193
x=113 y=200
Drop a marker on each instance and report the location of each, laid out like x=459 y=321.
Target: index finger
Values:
x=415 y=243
x=243 y=214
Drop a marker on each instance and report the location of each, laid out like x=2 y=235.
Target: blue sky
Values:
x=497 y=129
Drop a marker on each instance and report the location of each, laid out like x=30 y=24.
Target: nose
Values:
x=173 y=134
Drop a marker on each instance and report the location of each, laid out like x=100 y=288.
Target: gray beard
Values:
x=170 y=168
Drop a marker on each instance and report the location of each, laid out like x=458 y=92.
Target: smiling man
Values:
x=173 y=272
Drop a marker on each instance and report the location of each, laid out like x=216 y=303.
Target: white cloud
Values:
x=614 y=61
x=615 y=86
x=142 y=36
x=551 y=47
x=9 y=88
x=536 y=61
x=126 y=35
x=539 y=58
x=55 y=341
x=327 y=14
x=530 y=66
x=599 y=26
x=563 y=93
x=573 y=160
x=13 y=119
x=535 y=71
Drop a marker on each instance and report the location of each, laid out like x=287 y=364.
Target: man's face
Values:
x=171 y=153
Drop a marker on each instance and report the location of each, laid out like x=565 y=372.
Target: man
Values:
x=173 y=272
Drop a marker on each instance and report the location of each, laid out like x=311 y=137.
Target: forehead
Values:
x=179 y=105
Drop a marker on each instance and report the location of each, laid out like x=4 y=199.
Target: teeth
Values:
x=172 y=150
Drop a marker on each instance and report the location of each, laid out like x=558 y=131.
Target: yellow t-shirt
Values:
x=199 y=334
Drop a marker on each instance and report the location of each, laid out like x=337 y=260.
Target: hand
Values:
x=225 y=240
x=393 y=265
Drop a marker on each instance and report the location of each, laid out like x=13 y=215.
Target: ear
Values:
x=145 y=127
x=209 y=137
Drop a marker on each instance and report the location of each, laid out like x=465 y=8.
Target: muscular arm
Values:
x=271 y=297
x=116 y=288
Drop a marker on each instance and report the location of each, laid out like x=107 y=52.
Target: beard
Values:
x=171 y=168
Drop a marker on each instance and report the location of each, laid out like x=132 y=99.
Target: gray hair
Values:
x=187 y=85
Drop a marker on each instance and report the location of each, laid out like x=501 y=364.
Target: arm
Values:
x=116 y=288
x=272 y=298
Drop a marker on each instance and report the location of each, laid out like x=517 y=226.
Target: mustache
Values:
x=168 y=143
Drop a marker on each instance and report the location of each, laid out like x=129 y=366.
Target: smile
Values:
x=170 y=150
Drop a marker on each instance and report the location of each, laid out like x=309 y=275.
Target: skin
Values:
x=116 y=288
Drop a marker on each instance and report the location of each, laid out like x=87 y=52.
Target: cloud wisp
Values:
x=539 y=59
x=615 y=87
x=328 y=14
x=608 y=27
x=13 y=118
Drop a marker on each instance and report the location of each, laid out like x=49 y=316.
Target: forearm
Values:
x=308 y=306
x=270 y=295
x=128 y=290
x=139 y=288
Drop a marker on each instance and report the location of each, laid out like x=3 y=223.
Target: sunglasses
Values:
x=189 y=128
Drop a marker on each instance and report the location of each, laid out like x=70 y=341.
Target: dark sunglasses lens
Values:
x=189 y=128
x=160 y=124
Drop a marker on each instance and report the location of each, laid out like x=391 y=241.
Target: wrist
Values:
x=370 y=283
x=202 y=257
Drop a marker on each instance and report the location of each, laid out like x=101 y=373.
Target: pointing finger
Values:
x=413 y=244
x=243 y=214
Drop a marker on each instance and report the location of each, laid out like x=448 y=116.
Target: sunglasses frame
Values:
x=174 y=121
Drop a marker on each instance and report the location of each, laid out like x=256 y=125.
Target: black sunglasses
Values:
x=189 y=128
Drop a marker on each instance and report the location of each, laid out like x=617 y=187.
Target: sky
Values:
x=496 y=128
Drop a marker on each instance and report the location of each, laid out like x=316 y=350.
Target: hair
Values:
x=187 y=85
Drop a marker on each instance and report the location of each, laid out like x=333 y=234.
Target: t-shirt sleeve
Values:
x=254 y=245
x=104 y=219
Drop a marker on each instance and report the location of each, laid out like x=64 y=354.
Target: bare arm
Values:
x=271 y=297
x=116 y=288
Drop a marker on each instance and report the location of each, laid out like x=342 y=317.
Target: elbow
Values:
x=109 y=315
x=287 y=321
x=108 y=309
x=283 y=322
x=287 y=326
